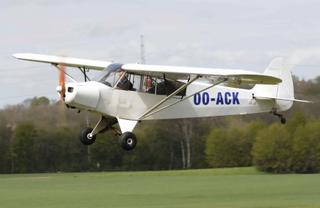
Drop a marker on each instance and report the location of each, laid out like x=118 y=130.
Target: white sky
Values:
x=208 y=33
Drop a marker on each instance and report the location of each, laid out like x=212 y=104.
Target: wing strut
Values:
x=172 y=104
x=68 y=75
x=84 y=71
x=168 y=97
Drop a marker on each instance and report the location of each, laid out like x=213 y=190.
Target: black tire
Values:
x=283 y=120
x=128 y=141
x=85 y=138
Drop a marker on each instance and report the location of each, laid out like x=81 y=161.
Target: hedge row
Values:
x=276 y=148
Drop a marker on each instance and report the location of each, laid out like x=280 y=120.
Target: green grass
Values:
x=233 y=187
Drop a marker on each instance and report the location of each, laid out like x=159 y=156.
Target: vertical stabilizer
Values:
x=283 y=90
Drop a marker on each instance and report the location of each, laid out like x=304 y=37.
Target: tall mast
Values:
x=142 y=60
x=142 y=54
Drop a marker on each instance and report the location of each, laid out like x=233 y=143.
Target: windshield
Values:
x=109 y=75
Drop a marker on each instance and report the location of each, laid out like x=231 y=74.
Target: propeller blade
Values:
x=62 y=83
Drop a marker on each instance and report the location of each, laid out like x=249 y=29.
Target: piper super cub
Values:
x=129 y=93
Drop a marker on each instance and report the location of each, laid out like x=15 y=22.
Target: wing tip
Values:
x=17 y=55
x=20 y=55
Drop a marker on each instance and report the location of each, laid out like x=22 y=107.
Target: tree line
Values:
x=39 y=135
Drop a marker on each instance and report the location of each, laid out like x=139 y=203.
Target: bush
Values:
x=272 y=149
x=229 y=148
x=296 y=120
x=306 y=148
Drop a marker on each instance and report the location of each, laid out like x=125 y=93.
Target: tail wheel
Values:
x=128 y=141
x=283 y=120
x=86 y=138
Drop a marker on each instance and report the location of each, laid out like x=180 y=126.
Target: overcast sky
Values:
x=207 y=33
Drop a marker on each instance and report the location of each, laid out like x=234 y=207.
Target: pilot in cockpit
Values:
x=124 y=83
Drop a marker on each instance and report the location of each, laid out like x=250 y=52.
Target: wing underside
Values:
x=173 y=72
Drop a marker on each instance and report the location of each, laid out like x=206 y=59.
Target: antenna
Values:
x=142 y=60
x=142 y=54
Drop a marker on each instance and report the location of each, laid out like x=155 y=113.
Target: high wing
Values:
x=67 y=61
x=170 y=72
x=174 y=72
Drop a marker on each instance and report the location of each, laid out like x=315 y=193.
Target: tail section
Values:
x=282 y=93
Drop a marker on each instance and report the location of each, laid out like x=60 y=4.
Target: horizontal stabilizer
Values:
x=279 y=98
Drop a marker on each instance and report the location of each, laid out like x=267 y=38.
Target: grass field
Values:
x=233 y=187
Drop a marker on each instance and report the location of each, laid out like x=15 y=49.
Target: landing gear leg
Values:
x=127 y=140
x=283 y=120
x=88 y=135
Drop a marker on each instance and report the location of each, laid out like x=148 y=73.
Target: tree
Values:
x=106 y=154
x=273 y=149
x=187 y=130
x=36 y=101
x=158 y=148
x=22 y=147
x=230 y=147
x=5 y=139
x=306 y=148
x=296 y=120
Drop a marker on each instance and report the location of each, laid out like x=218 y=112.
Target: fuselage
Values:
x=131 y=105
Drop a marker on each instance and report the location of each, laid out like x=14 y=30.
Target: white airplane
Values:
x=129 y=93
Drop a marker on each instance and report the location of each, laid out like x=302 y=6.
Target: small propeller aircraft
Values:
x=129 y=93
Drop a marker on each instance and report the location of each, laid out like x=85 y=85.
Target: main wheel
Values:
x=86 y=138
x=128 y=141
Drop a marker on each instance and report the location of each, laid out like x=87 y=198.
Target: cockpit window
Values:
x=109 y=75
x=115 y=77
